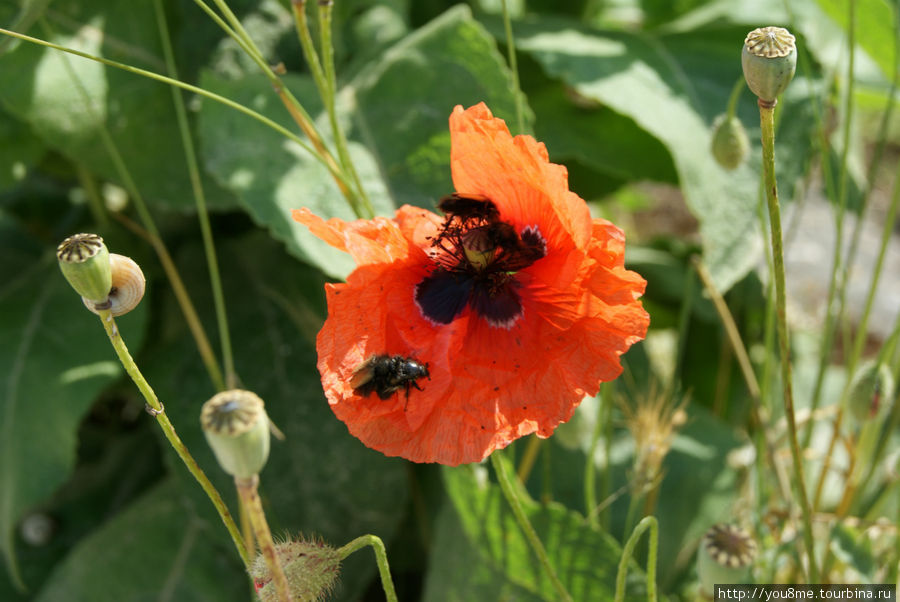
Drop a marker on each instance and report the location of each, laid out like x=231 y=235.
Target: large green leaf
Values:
x=405 y=100
x=71 y=103
x=401 y=104
x=153 y=550
x=489 y=558
x=55 y=359
x=320 y=480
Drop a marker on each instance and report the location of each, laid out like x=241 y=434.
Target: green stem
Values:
x=767 y=124
x=648 y=522
x=156 y=409
x=293 y=106
x=325 y=9
x=332 y=168
x=739 y=86
x=248 y=490
x=512 y=498
x=380 y=558
x=513 y=67
x=200 y=200
x=153 y=236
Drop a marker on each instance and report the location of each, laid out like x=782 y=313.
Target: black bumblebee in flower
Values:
x=476 y=256
x=387 y=374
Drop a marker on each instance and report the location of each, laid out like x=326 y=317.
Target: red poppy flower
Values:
x=516 y=303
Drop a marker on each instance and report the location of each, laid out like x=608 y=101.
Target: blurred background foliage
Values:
x=94 y=506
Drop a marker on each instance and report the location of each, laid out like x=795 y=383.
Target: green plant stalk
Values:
x=837 y=284
x=648 y=522
x=94 y=200
x=529 y=456
x=153 y=236
x=248 y=490
x=157 y=410
x=200 y=200
x=380 y=558
x=290 y=102
x=731 y=330
x=590 y=472
x=512 y=498
x=513 y=67
x=739 y=87
x=767 y=124
x=860 y=338
x=325 y=9
x=184 y=86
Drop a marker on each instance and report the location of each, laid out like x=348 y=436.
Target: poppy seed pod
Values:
x=730 y=144
x=769 y=59
x=237 y=429
x=84 y=261
x=725 y=555
x=127 y=290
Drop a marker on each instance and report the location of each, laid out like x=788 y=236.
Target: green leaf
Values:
x=319 y=481
x=401 y=105
x=874 y=28
x=19 y=150
x=56 y=359
x=71 y=103
x=493 y=560
x=646 y=79
x=153 y=550
x=283 y=177
x=406 y=98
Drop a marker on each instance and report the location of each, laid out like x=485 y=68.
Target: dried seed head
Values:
x=237 y=429
x=127 y=289
x=84 y=261
x=769 y=59
x=725 y=556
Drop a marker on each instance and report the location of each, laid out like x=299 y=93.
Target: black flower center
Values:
x=476 y=258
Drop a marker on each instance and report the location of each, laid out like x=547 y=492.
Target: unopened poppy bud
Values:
x=871 y=386
x=84 y=261
x=237 y=429
x=730 y=144
x=311 y=568
x=769 y=59
x=128 y=284
x=725 y=556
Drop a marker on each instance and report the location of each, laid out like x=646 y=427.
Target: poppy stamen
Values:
x=476 y=257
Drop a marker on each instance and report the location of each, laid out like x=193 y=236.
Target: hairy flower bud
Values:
x=311 y=568
x=730 y=144
x=84 y=261
x=237 y=429
x=769 y=59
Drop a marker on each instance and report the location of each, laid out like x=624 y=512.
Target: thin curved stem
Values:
x=158 y=411
x=248 y=490
x=509 y=492
x=767 y=124
x=648 y=522
x=332 y=168
x=513 y=67
x=200 y=200
x=380 y=558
